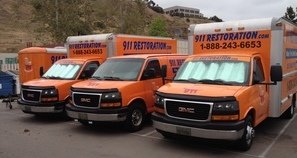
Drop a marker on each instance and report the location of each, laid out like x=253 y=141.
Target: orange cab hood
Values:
x=96 y=84
x=48 y=82
x=208 y=90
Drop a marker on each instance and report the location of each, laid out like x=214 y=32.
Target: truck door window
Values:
x=152 y=70
x=89 y=69
x=258 y=73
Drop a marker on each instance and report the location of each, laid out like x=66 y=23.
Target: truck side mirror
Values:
x=276 y=73
x=164 y=71
x=41 y=71
x=87 y=74
x=92 y=70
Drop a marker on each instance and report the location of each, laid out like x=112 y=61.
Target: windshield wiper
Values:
x=190 y=80
x=218 y=81
x=96 y=78
x=112 y=78
x=52 y=77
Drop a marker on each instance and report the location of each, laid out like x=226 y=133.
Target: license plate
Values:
x=82 y=116
x=183 y=131
x=28 y=108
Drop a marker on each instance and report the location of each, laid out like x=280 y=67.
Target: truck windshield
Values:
x=119 y=69
x=214 y=72
x=62 y=71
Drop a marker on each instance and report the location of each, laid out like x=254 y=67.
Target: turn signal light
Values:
x=159 y=110
x=49 y=99
x=225 y=117
x=108 y=105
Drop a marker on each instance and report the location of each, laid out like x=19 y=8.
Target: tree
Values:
x=63 y=18
x=291 y=14
x=215 y=18
x=158 y=27
x=126 y=16
x=133 y=17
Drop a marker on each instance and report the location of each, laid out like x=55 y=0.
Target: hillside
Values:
x=17 y=28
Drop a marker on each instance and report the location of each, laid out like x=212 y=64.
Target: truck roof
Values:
x=144 y=56
x=247 y=25
x=242 y=53
x=103 y=37
x=43 y=49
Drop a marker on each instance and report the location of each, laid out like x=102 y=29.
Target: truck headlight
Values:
x=225 y=108
x=70 y=97
x=113 y=99
x=159 y=101
x=225 y=111
x=48 y=95
x=49 y=92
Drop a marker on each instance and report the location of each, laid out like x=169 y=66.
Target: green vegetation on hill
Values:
x=47 y=23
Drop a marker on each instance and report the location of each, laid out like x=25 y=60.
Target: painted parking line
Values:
x=276 y=138
x=147 y=136
x=149 y=133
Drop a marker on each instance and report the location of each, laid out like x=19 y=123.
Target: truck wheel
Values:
x=247 y=138
x=135 y=118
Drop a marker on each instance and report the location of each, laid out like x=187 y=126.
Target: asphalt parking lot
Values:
x=26 y=136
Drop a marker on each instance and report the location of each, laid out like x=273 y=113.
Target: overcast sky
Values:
x=234 y=9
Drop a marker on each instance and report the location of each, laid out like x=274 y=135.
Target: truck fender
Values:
x=251 y=111
x=138 y=100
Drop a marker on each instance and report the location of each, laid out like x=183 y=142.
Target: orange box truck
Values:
x=241 y=73
x=50 y=93
x=122 y=89
x=33 y=61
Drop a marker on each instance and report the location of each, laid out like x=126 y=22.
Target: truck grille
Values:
x=31 y=95
x=196 y=111
x=89 y=100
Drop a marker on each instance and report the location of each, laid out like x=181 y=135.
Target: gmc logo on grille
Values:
x=86 y=100
x=186 y=110
x=30 y=95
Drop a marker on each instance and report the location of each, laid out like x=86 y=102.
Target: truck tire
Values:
x=289 y=113
x=247 y=138
x=135 y=118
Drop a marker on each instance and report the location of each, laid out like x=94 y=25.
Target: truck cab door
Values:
x=152 y=80
x=259 y=91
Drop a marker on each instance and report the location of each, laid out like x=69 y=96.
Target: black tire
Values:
x=247 y=138
x=135 y=118
x=289 y=113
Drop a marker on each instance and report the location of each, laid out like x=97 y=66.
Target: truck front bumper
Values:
x=210 y=130
x=108 y=115
x=30 y=107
